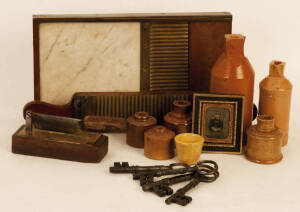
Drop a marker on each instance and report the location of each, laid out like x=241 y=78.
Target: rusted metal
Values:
x=203 y=171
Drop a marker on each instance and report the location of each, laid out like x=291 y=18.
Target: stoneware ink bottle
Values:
x=137 y=125
x=275 y=97
x=180 y=118
x=233 y=74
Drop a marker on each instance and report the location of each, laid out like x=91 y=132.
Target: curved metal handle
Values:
x=210 y=163
x=179 y=165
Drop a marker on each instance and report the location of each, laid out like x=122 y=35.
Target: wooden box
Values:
x=60 y=138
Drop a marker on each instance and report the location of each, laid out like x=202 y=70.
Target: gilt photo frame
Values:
x=219 y=119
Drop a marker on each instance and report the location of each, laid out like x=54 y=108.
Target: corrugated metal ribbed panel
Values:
x=125 y=105
x=168 y=56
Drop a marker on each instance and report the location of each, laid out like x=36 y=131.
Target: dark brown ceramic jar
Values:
x=233 y=74
x=180 y=119
x=264 y=141
x=275 y=97
x=159 y=143
x=137 y=125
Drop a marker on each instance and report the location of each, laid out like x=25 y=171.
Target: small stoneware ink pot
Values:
x=137 y=125
x=180 y=119
x=159 y=143
x=188 y=147
x=264 y=141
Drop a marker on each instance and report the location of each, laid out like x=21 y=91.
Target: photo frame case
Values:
x=219 y=119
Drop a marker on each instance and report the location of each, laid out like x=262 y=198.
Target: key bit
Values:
x=179 y=196
x=125 y=164
x=206 y=174
x=179 y=199
x=117 y=164
x=162 y=190
x=162 y=187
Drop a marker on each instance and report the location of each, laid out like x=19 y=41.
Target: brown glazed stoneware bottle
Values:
x=264 y=141
x=233 y=74
x=137 y=125
x=159 y=143
x=180 y=119
x=275 y=97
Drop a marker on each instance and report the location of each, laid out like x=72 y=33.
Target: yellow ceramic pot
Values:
x=188 y=147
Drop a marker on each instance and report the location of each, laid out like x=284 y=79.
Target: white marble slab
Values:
x=78 y=57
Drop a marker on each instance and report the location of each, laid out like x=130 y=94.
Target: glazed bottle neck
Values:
x=234 y=45
x=277 y=69
x=265 y=123
x=180 y=110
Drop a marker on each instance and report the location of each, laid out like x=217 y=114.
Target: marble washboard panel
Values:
x=88 y=57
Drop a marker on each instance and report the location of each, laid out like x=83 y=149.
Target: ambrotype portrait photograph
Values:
x=218 y=118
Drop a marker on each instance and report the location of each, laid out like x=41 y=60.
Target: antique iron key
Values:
x=204 y=174
x=146 y=174
x=174 y=169
x=125 y=168
x=203 y=171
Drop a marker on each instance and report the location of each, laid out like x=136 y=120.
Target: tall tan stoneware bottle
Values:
x=275 y=97
x=233 y=74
